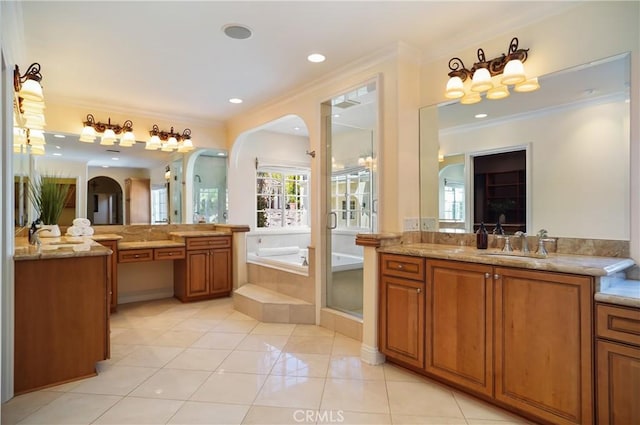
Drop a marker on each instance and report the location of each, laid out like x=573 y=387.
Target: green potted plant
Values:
x=48 y=197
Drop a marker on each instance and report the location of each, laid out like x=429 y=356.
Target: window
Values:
x=282 y=197
x=350 y=199
x=159 y=197
x=453 y=200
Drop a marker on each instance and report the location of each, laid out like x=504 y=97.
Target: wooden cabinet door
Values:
x=198 y=271
x=220 y=278
x=402 y=320
x=543 y=344
x=459 y=325
x=618 y=374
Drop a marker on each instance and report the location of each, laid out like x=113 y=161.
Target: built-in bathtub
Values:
x=296 y=261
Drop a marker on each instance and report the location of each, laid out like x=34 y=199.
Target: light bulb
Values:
x=455 y=88
x=481 y=80
x=513 y=72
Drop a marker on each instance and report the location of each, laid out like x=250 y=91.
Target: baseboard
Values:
x=371 y=355
x=152 y=294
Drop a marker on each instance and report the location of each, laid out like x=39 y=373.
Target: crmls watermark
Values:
x=313 y=416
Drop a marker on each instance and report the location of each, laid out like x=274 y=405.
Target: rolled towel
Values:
x=87 y=231
x=283 y=250
x=82 y=247
x=82 y=222
x=74 y=231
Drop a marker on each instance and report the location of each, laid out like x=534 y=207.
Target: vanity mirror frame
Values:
x=587 y=223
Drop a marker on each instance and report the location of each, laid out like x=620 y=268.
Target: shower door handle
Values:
x=332 y=224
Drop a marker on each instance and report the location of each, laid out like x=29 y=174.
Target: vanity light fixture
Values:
x=28 y=117
x=484 y=76
x=109 y=132
x=169 y=141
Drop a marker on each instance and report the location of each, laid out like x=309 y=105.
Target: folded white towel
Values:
x=74 y=231
x=82 y=247
x=283 y=250
x=82 y=222
x=87 y=231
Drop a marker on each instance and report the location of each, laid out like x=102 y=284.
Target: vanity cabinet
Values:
x=459 y=332
x=618 y=364
x=205 y=272
x=521 y=338
x=543 y=344
x=402 y=302
x=112 y=273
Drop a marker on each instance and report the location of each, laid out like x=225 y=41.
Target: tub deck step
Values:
x=270 y=306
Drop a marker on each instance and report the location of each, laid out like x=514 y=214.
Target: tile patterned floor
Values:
x=204 y=363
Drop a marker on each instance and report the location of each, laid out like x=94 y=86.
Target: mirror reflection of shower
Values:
x=210 y=197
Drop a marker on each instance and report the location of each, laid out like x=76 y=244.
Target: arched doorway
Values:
x=104 y=201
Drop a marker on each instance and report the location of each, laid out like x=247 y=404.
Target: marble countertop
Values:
x=62 y=247
x=563 y=263
x=199 y=233
x=165 y=243
x=106 y=237
x=617 y=289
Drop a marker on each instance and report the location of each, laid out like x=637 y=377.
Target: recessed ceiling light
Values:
x=59 y=136
x=480 y=115
x=105 y=166
x=237 y=31
x=296 y=128
x=235 y=100
x=115 y=158
x=336 y=115
x=57 y=154
x=316 y=58
x=58 y=147
x=221 y=154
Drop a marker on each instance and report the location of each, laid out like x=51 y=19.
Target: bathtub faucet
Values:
x=304 y=260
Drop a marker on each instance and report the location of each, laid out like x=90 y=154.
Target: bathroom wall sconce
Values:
x=29 y=100
x=169 y=141
x=109 y=131
x=167 y=173
x=484 y=76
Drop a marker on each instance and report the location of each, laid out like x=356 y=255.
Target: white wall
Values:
x=571 y=149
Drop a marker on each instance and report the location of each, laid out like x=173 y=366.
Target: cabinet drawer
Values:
x=168 y=253
x=402 y=266
x=212 y=242
x=618 y=323
x=134 y=255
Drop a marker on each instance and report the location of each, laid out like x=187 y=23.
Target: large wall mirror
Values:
x=575 y=132
x=131 y=173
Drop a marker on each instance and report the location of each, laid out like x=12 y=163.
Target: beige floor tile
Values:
x=236 y=388
x=123 y=321
x=422 y=399
x=137 y=336
x=263 y=342
x=312 y=330
x=220 y=341
x=266 y=415
x=196 y=324
x=301 y=364
x=72 y=409
x=135 y=411
x=150 y=356
x=116 y=380
x=273 y=329
x=178 y=338
x=397 y=373
x=345 y=346
x=174 y=384
x=474 y=409
x=309 y=344
x=291 y=391
x=250 y=362
x=119 y=351
x=236 y=315
x=197 y=412
x=349 y=367
x=214 y=313
x=22 y=406
x=198 y=359
x=352 y=418
x=160 y=322
x=236 y=326
x=355 y=395
x=426 y=420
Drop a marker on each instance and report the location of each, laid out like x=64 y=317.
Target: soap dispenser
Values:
x=498 y=230
x=482 y=237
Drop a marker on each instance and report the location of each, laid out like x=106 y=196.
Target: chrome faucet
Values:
x=304 y=260
x=542 y=238
x=524 y=245
x=34 y=238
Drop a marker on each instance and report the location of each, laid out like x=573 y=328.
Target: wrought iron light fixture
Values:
x=169 y=141
x=484 y=76
x=109 y=132
x=28 y=122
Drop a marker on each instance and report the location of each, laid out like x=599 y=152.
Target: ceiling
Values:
x=172 y=58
